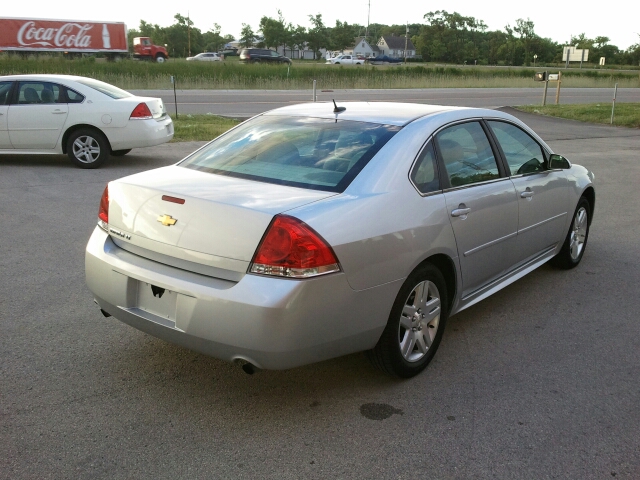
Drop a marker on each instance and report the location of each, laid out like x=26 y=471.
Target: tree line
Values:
x=442 y=37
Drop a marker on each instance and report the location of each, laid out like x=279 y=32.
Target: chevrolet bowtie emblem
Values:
x=167 y=220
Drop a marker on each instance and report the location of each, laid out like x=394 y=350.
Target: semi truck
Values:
x=33 y=35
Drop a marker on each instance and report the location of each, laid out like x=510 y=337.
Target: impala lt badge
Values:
x=167 y=220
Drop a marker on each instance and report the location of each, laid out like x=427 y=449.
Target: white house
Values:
x=393 y=46
x=363 y=48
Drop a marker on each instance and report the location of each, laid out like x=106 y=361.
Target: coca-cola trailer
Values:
x=30 y=35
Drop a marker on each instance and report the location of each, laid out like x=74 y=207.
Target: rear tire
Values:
x=415 y=326
x=120 y=153
x=87 y=148
x=576 y=240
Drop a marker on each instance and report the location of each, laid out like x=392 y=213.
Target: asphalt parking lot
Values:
x=542 y=380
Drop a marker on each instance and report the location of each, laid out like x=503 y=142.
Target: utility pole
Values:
x=189 y=32
x=366 y=32
x=406 y=41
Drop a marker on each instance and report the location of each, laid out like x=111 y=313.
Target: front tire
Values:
x=87 y=148
x=415 y=326
x=160 y=59
x=576 y=240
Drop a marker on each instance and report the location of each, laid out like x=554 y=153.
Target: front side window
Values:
x=319 y=154
x=38 y=93
x=467 y=154
x=523 y=153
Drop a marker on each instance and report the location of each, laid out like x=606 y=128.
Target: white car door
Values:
x=5 y=89
x=35 y=122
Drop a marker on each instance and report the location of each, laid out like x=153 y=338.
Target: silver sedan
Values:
x=314 y=231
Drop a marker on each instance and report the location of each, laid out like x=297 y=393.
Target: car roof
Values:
x=374 y=112
x=42 y=76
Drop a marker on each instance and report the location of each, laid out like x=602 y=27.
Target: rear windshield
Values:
x=320 y=154
x=109 y=90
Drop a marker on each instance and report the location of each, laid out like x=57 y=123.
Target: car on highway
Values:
x=262 y=55
x=87 y=119
x=318 y=230
x=346 y=60
x=206 y=57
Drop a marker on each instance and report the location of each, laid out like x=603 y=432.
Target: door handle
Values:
x=527 y=193
x=58 y=112
x=460 y=212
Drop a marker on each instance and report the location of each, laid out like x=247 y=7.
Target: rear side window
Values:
x=319 y=154
x=467 y=154
x=36 y=93
x=73 y=96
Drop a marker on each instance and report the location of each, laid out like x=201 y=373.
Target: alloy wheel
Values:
x=578 y=233
x=86 y=149
x=419 y=321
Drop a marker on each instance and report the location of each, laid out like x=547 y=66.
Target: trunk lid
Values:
x=219 y=224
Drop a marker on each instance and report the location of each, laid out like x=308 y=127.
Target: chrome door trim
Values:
x=461 y=187
x=541 y=223
x=488 y=244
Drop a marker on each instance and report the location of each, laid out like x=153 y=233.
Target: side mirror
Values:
x=558 y=161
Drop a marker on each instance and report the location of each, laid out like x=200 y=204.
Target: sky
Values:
x=553 y=19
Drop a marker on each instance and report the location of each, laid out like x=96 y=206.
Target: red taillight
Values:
x=103 y=212
x=141 y=112
x=291 y=248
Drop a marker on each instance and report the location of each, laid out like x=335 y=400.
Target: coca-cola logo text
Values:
x=69 y=35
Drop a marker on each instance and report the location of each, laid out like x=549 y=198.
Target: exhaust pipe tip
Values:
x=248 y=367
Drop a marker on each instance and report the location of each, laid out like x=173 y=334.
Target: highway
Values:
x=246 y=103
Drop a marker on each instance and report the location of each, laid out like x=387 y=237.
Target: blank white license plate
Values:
x=159 y=301
x=170 y=129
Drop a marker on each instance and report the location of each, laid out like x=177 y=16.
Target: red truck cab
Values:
x=144 y=49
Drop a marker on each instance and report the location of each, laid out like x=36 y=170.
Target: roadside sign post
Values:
x=175 y=98
x=315 y=97
x=613 y=106
x=542 y=77
x=546 y=78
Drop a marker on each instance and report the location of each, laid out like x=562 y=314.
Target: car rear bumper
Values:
x=272 y=323
x=141 y=133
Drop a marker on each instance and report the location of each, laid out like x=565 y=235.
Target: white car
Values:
x=346 y=60
x=82 y=117
x=206 y=57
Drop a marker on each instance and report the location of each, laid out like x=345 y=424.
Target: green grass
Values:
x=188 y=128
x=230 y=74
x=626 y=114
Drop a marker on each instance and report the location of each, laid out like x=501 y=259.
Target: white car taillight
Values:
x=103 y=212
x=291 y=248
x=141 y=112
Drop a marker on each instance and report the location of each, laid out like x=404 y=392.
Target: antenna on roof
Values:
x=338 y=109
